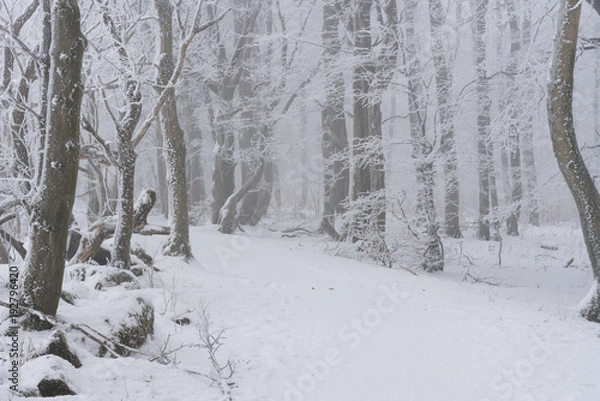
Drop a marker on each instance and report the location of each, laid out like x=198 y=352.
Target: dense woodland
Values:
x=387 y=124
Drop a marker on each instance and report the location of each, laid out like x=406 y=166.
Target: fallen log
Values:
x=104 y=229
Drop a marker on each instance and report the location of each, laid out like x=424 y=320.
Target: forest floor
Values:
x=304 y=324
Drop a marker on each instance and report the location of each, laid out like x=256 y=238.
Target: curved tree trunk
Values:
x=566 y=149
x=227 y=217
x=51 y=210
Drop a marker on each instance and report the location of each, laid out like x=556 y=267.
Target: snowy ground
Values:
x=305 y=325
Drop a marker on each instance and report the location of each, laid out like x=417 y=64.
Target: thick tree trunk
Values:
x=566 y=149
x=178 y=243
x=51 y=209
x=334 y=145
x=446 y=111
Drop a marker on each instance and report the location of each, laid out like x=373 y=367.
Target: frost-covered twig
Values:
x=212 y=341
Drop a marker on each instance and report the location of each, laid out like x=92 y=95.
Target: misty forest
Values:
x=295 y=200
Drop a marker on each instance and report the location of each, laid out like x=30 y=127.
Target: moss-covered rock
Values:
x=59 y=346
x=54 y=388
x=135 y=328
x=47 y=376
x=32 y=322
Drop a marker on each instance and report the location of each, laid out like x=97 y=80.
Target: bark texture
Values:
x=178 y=243
x=126 y=156
x=564 y=142
x=51 y=209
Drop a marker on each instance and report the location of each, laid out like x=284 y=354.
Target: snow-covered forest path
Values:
x=308 y=326
x=303 y=324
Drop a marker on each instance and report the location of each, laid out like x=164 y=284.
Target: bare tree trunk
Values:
x=446 y=111
x=255 y=203
x=161 y=174
x=334 y=145
x=195 y=168
x=44 y=69
x=178 y=243
x=224 y=170
x=304 y=162
x=371 y=77
x=484 y=143
x=566 y=149
x=51 y=210
x=422 y=148
x=227 y=218
x=21 y=164
x=529 y=170
x=515 y=114
x=126 y=156
x=223 y=131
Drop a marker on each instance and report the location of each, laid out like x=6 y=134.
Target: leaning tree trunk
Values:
x=446 y=111
x=51 y=209
x=566 y=149
x=334 y=145
x=178 y=243
x=227 y=216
